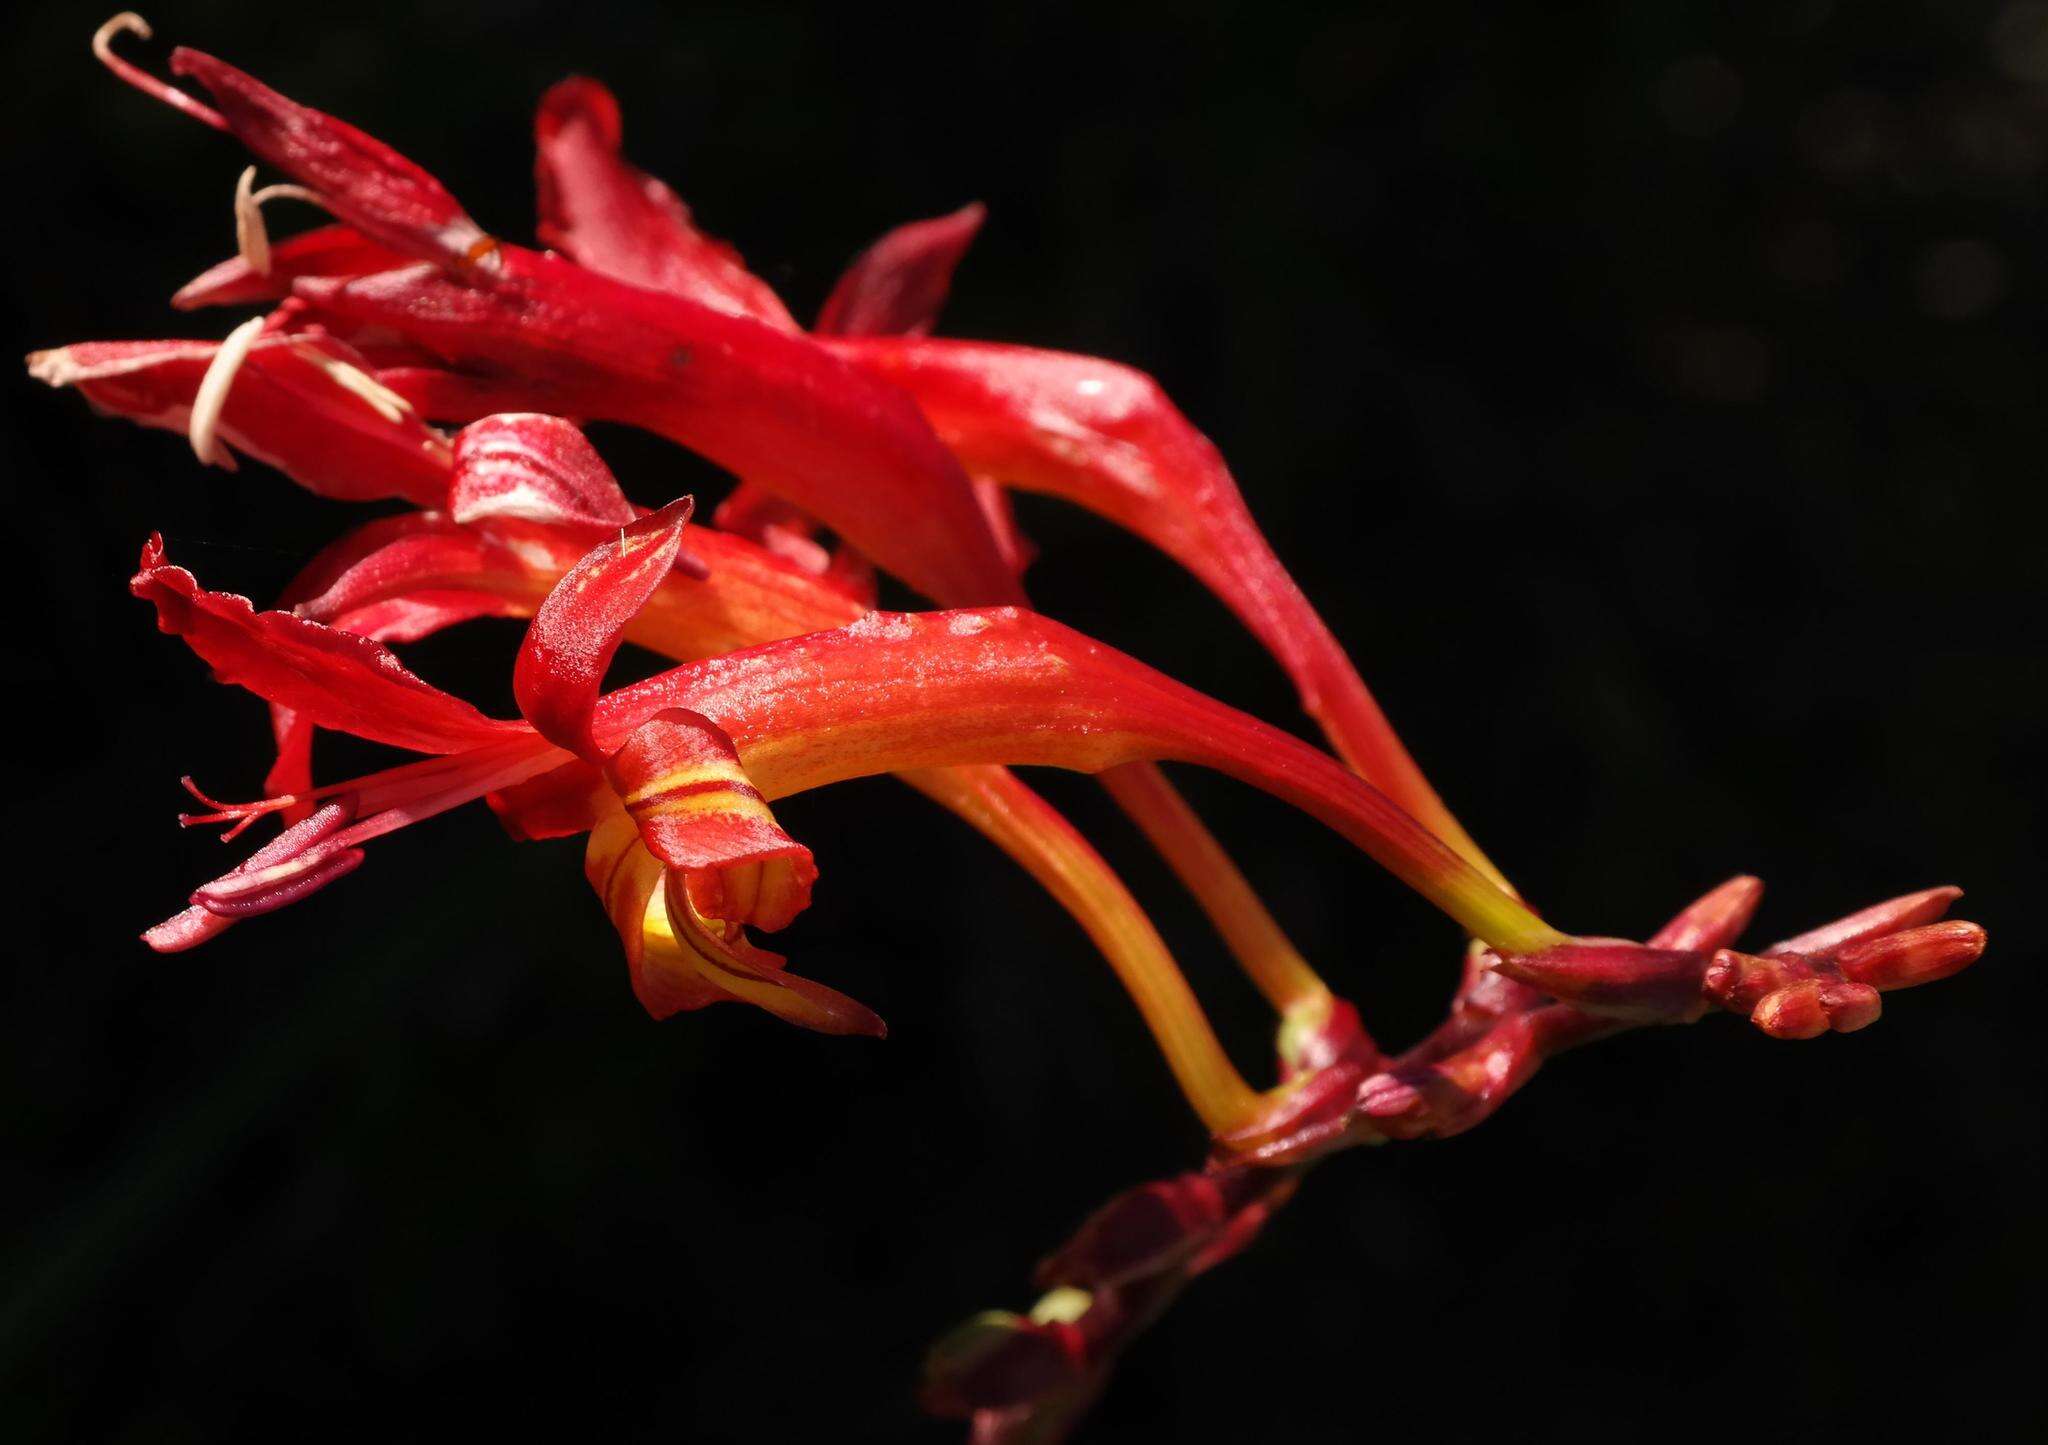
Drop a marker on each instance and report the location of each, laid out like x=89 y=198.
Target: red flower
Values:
x=404 y=313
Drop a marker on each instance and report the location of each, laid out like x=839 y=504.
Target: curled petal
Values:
x=897 y=286
x=681 y=782
x=336 y=679
x=574 y=634
x=296 y=403
x=536 y=467
x=681 y=961
x=304 y=858
x=608 y=215
x=383 y=195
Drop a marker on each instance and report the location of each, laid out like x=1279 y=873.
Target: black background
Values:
x=1649 y=394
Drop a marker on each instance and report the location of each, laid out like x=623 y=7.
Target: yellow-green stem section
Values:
x=1251 y=933
x=1023 y=825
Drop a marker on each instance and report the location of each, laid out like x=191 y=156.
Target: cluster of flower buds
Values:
x=403 y=353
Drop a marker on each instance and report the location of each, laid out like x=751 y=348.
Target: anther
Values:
x=252 y=237
x=129 y=23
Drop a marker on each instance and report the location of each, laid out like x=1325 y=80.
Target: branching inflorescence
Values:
x=862 y=444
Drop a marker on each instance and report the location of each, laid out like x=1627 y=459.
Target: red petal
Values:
x=681 y=781
x=603 y=213
x=900 y=691
x=897 y=286
x=770 y=407
x=1106 y=437
x=768 y=521
x=679 y=962
x=382 y=194
x=574 y=634
x=336 y=250
x=284 y=409
x=337 y=680
x=533 y=466
x=1714 y=920
x=1909 y=910
x=572 y=799
x=1913 y=957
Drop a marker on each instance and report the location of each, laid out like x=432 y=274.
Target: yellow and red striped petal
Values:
x=681 y=782
x=679 y=960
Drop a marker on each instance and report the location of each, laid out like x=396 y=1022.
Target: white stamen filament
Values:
x=212 y=395
x=252 y=237
x=381 y=398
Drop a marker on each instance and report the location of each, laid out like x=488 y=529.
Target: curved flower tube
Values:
x=333 y=680
x=1000 y=685
x=547 y=335
x=1088 y=430
x=537 y=331
x=902 y=446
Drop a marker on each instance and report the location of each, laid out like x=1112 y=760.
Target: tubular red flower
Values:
x=1107 y=438
x=906 y=690
x=677 y=775
x=747 y=597
x=549 y=335
x=890 y=693
x=543 y=334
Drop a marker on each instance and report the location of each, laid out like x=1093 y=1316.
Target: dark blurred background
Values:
x=1650 y=395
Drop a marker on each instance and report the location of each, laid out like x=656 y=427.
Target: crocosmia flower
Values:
x=399 y=354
